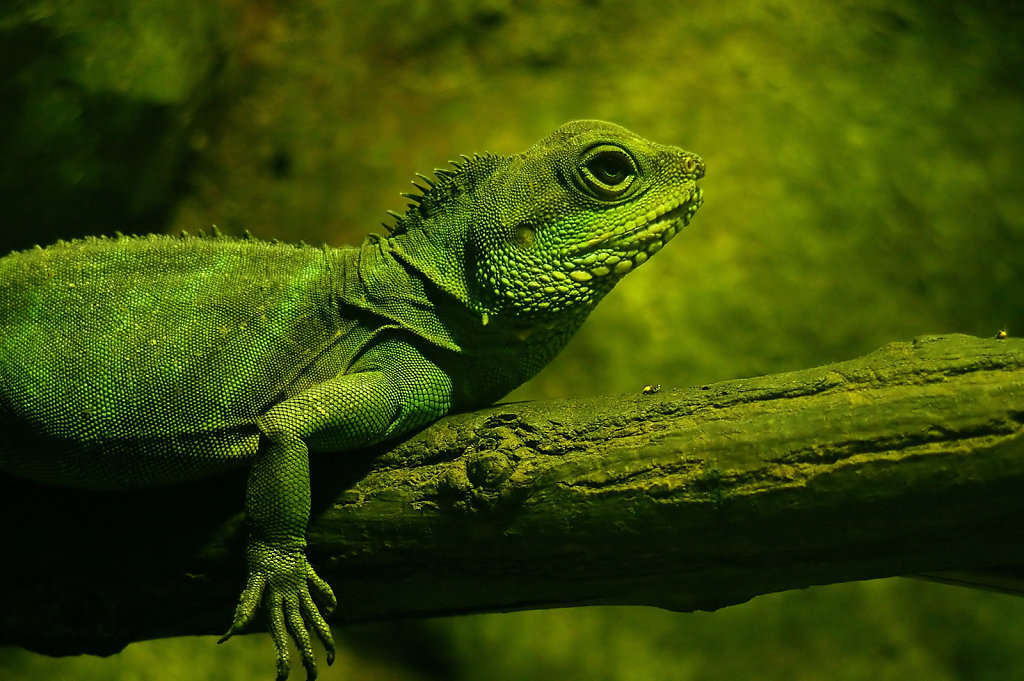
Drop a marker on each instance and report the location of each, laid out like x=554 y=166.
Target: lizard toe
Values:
x=321 y=590
x=279 y=634
x=300 y=634
x=248 y=603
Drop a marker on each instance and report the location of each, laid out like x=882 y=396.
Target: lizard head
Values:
x=555 y=227
x=579 y=210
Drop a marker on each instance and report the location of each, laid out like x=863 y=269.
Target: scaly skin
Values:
x=133 y=362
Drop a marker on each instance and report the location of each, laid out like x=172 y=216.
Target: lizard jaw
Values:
x=663 y=227
x=630 y=244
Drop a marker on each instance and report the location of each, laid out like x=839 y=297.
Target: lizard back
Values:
x=158 y=348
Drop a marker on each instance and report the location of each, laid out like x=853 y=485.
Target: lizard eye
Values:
x=607 y=172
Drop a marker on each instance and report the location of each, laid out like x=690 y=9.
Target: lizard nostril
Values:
x=694 y=165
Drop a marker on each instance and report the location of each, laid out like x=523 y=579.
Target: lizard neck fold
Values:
x=410 y=283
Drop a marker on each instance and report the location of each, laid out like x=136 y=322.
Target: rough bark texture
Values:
x=908 y=460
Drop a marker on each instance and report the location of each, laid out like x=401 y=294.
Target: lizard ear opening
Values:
x=524 y=236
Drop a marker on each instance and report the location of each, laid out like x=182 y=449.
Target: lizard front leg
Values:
x=280 y=577
x=349 y=411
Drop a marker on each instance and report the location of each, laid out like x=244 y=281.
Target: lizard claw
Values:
x=280 y=581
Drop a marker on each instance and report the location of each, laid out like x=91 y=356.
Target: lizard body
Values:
x=137 y=361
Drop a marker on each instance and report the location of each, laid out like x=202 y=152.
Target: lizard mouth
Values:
x=630 y=244
x=656 y=229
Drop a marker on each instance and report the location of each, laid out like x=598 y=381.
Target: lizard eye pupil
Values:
x=607 y=172
x=608 y=168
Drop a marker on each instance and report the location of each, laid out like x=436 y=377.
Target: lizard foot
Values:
x=280 y=580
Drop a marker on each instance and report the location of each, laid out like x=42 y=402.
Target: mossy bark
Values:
x=908 y=460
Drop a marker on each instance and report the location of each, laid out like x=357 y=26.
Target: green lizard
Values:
x=135 y=361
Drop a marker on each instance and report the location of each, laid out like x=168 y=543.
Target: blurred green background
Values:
x=863 y=186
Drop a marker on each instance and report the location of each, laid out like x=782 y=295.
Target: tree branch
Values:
x=908 y=460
